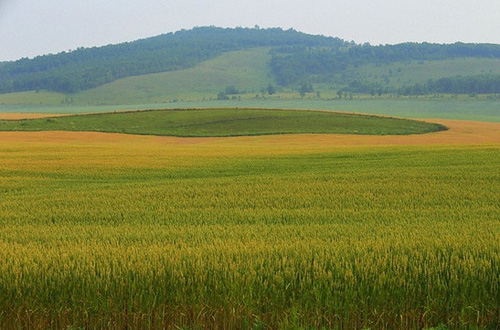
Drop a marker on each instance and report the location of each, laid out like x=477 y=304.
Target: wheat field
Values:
x=112 y=231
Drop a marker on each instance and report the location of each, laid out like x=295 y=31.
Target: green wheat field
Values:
x=290 y=231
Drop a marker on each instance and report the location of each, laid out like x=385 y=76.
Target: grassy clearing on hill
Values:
x=247 y=70
x=224 y=122
x=118 y=231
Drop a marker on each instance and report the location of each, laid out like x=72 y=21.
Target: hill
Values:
x=86 y=68
x=199 y=64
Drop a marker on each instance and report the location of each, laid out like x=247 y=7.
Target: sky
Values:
x=35 y=27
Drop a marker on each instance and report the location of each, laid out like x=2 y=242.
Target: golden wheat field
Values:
x=112 y=231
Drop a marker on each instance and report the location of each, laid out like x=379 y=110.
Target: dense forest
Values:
x=296 y=59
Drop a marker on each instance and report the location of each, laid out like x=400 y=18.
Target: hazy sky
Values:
x=34 y=27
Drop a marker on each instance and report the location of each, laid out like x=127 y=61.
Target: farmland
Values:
x=228 y=209
x=333 y=231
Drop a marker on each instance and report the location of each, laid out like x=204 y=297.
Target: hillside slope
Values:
x=246 y=70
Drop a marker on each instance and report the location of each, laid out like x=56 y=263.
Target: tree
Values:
x=222 y=96
x=231 y=90
x=271 y=89
x=305 y=88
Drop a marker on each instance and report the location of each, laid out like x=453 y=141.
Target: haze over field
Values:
x=29 y=27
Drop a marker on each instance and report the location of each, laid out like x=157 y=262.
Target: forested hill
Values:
x=297 y=59
x=86 y=68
